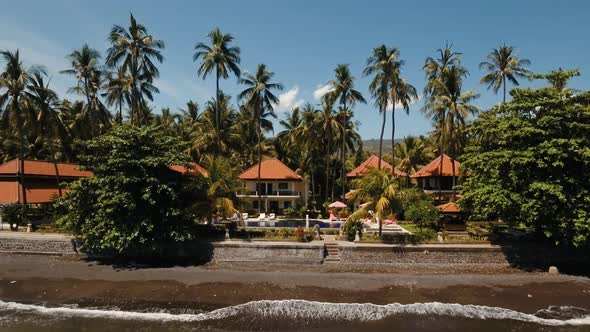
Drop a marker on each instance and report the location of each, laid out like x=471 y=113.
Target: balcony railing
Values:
x=276 y=193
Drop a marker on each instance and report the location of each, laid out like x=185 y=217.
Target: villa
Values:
x=280 y=187
x=373 y=162
x=39 y=180
x=433 y=181
x=41 y=184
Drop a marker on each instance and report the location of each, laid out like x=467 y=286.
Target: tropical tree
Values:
x=455 y=103
x=327 y=126
x=402 y=94
x=558 y=78
x=261 y=100
x=13 y=81
x=46 y=105
x=118 y=91
x=135 y=50
x=384 y=64
x=222 y=58
x=412 y=153
x=503 y=64
x=220 y=185
x=89 y=77
x=437 y=71
x=343 y=90
x=379 y=190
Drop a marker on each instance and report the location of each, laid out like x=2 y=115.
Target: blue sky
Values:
x=303 y=41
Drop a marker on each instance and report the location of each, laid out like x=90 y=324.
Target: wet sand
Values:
x=57 y=280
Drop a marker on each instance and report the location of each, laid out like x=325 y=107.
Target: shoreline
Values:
x=59 y=280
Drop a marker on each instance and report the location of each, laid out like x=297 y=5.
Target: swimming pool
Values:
x=292 y=223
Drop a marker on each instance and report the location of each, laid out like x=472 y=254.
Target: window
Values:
x=287 y=204
x=255 y=205
x=283 y=186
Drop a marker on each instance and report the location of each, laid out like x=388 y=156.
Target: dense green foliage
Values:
x=531 y=164
x=422 y=213
x=132 y=201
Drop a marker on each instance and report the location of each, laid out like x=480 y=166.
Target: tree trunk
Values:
x=381 y=137
x=504 y=87
x=258 y=132
x=452 y=157
x=343 y=148
x=328 y=169
x=120 y=111
x=393 y=140
x=217 y=111
x=442 y=140
x=21 y=134
x=53 y=159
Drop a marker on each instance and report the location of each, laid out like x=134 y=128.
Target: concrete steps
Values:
x=332 y=250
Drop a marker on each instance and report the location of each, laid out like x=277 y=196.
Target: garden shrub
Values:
x=351 y=228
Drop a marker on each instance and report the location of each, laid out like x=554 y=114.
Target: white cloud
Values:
x=398 y=106
x=321 y=90
x=289 y=100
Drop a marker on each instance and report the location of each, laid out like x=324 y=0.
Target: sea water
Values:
x=294 y=315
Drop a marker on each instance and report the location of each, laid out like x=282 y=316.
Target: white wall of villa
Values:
x=276 y=195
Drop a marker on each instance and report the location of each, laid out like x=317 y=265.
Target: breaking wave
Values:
x=299 y=309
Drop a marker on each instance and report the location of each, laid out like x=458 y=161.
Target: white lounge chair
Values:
x=271 y=216
x=262 y=216
x=244 y=215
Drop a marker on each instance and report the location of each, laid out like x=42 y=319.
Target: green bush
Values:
x=290 y=212
x=351 y=228
x=424 y=235
x=132 y=203
x=15 y=215
x=422 y=213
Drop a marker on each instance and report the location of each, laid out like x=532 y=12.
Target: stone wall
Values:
x=422 y=254
x=522 y=256
x=229 y=251
x=37 y=244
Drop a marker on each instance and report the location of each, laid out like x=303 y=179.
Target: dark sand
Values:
x=57 y=280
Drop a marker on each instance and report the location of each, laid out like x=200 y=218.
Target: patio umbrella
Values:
x=338 y=204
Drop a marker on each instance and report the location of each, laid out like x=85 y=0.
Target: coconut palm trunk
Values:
x=343 y=148
x=452 y=156
x=393 y=140
x=328 y=169
x=442 y=140
x=504 y=88
x=258 y=134
x=217 y=115
x=381 y=141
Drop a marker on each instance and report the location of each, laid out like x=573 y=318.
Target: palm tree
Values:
x=413 y=153
x=436 y=70
x=13 y=80
x=326 y=126
x=134 y=50
x=379 y=190
x=403 y=94
x=118 y=91
x=219 y=185
x=502 y=64
x=456 y=105
x=222 y=58
x=46 y=103
x=261 y=100
x=343 y=90
x=385 y=65
x=84 y=66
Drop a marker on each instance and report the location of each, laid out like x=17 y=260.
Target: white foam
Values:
x=299 y=309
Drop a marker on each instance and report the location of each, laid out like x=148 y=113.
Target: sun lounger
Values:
x=262 y=216
x=244 y=215
x=271 y=216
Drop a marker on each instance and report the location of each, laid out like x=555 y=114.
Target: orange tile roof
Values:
x=193 y=170
x=433 y=168
x=449 y=207
x=43 y=168
x=373 y=162
x=271 y=169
